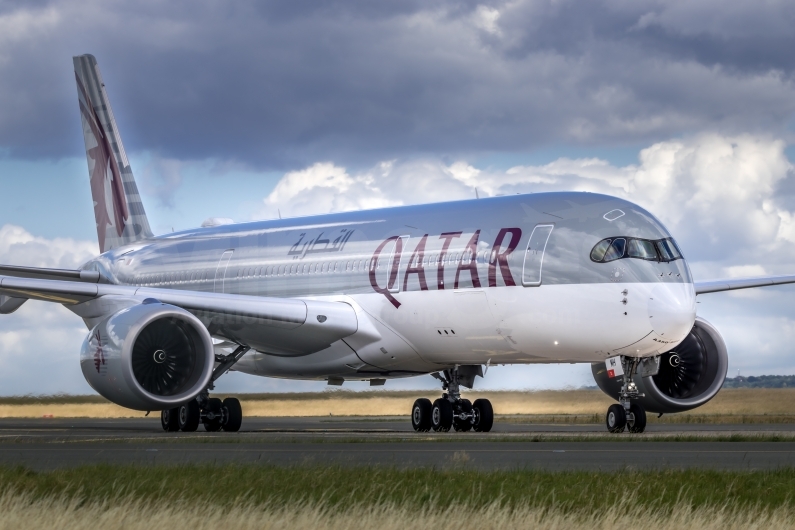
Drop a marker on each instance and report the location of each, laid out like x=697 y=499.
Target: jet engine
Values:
x=151 y=356
x=689 y=375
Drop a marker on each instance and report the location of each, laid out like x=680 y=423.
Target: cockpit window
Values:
x=641 y=249
x=667 y=249
x=613 y=248
x=599 y=250
x=616 y=250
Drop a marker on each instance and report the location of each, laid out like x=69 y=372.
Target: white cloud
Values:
x=20 y=247
x=161 y=178
x=719 y=195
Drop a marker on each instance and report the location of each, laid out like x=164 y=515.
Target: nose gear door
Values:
x=534 y=256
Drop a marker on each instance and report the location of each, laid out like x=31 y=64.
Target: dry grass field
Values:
x=318 y=497
x=584 y=405
x=20 y=512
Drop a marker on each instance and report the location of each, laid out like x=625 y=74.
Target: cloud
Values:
x=20 y=247
x=727 y=199
x=285 y=84
x=161 y=178
x=719 y=195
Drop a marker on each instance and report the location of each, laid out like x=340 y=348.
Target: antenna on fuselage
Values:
x=280 y=213
x=477 y=195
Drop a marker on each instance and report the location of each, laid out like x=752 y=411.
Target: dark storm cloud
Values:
x=285 y=83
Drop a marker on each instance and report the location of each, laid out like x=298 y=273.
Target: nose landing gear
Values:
x=451 y=411
x=627 y=413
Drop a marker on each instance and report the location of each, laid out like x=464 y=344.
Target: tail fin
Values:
x=118 y=210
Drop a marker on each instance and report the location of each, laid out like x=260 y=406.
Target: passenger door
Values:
x=220 y=271
x=534 y=256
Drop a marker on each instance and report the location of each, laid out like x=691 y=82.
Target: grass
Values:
x=339 y=487
x=20 y=512
x=243 y=497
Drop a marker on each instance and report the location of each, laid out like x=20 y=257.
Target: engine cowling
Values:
x=151 y=356
x=679 y=386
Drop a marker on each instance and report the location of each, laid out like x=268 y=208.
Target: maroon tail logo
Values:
x=105 y=168
x=99 y=355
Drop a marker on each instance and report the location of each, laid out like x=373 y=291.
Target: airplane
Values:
x=447 y=289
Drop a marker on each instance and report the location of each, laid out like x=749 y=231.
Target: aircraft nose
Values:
x=672 y=310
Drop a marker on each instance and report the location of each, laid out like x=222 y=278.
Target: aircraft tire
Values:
x=484 y=415
x=189 y=416
x=462 y=425
x=442 y=415
x=169 y=419
x=421 y=415
x=638 y=425
x=616 y=418
x=214 y=407
x=234 y=414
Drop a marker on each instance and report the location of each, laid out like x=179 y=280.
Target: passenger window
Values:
x=616 y=250
x=599 y=250
x=641 y=248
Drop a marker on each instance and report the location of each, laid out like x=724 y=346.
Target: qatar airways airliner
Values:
x=446 y=289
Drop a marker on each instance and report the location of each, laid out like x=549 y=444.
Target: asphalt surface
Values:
x=51 y=443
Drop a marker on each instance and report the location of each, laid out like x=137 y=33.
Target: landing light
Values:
x=556 y=343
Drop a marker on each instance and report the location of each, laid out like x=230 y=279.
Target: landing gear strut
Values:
x=450 y=410
x=214 y=414
x=627 y=413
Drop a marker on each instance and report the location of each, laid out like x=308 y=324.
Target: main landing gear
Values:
x=627 y=413
x=450 y=410
x=214 y=414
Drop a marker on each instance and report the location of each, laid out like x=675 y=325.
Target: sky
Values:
x=249 y=110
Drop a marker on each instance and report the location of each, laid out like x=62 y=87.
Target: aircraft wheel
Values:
x=616 y=418
x=213 y=415
x=421 y=415
x=442 y=415
x=637 y=425
x=460 y=425
x=234 y=414
x=189 y=416
x=169 y=419
x=484 y=415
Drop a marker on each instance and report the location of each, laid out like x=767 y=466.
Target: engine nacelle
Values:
x=151 y=356
x=689 y=375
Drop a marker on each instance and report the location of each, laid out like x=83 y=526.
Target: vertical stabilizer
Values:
x=118 y=210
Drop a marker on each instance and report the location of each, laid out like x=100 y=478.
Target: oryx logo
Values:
x=107 y=188
x=99 y=354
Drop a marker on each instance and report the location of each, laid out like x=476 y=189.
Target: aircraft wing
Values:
x=730 y=284
x=289 y=326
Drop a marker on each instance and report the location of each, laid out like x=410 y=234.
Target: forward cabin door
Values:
x=388 y=263
x=396 y=264
x=220 y=271
x=534 y=256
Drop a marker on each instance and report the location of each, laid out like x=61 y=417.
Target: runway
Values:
x=43 y=444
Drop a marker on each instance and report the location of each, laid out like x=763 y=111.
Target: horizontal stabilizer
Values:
x=49 y=274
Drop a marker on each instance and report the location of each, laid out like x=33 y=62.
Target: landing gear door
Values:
x=534 y=256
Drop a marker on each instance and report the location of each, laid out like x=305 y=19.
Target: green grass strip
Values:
x=339 y=487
